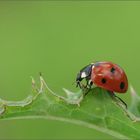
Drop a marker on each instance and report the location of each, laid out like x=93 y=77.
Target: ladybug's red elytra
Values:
x=106 y=75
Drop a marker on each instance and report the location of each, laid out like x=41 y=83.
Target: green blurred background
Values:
x=58 y=39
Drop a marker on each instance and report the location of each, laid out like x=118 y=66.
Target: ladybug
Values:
x=106 y=75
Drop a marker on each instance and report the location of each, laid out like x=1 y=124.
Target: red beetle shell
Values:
x=109 y=76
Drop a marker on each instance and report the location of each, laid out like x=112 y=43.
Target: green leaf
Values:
x=98 y=110
x=135 y=103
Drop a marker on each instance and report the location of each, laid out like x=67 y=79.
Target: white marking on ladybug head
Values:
x=83 y=75
x=93 y=67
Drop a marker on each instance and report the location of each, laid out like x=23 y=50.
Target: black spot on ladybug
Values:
x=122 y=85
x=103 y=80
x=112 y=70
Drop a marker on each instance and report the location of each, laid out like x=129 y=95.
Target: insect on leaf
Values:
x=96 y=110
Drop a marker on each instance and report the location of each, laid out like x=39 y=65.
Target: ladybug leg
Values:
x=88 y=87
x=114 y=97
x=79 y=84
x=86 y=91
x=85 y=88
x=121 y=101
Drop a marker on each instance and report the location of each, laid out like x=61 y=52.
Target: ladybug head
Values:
x=109 y=76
